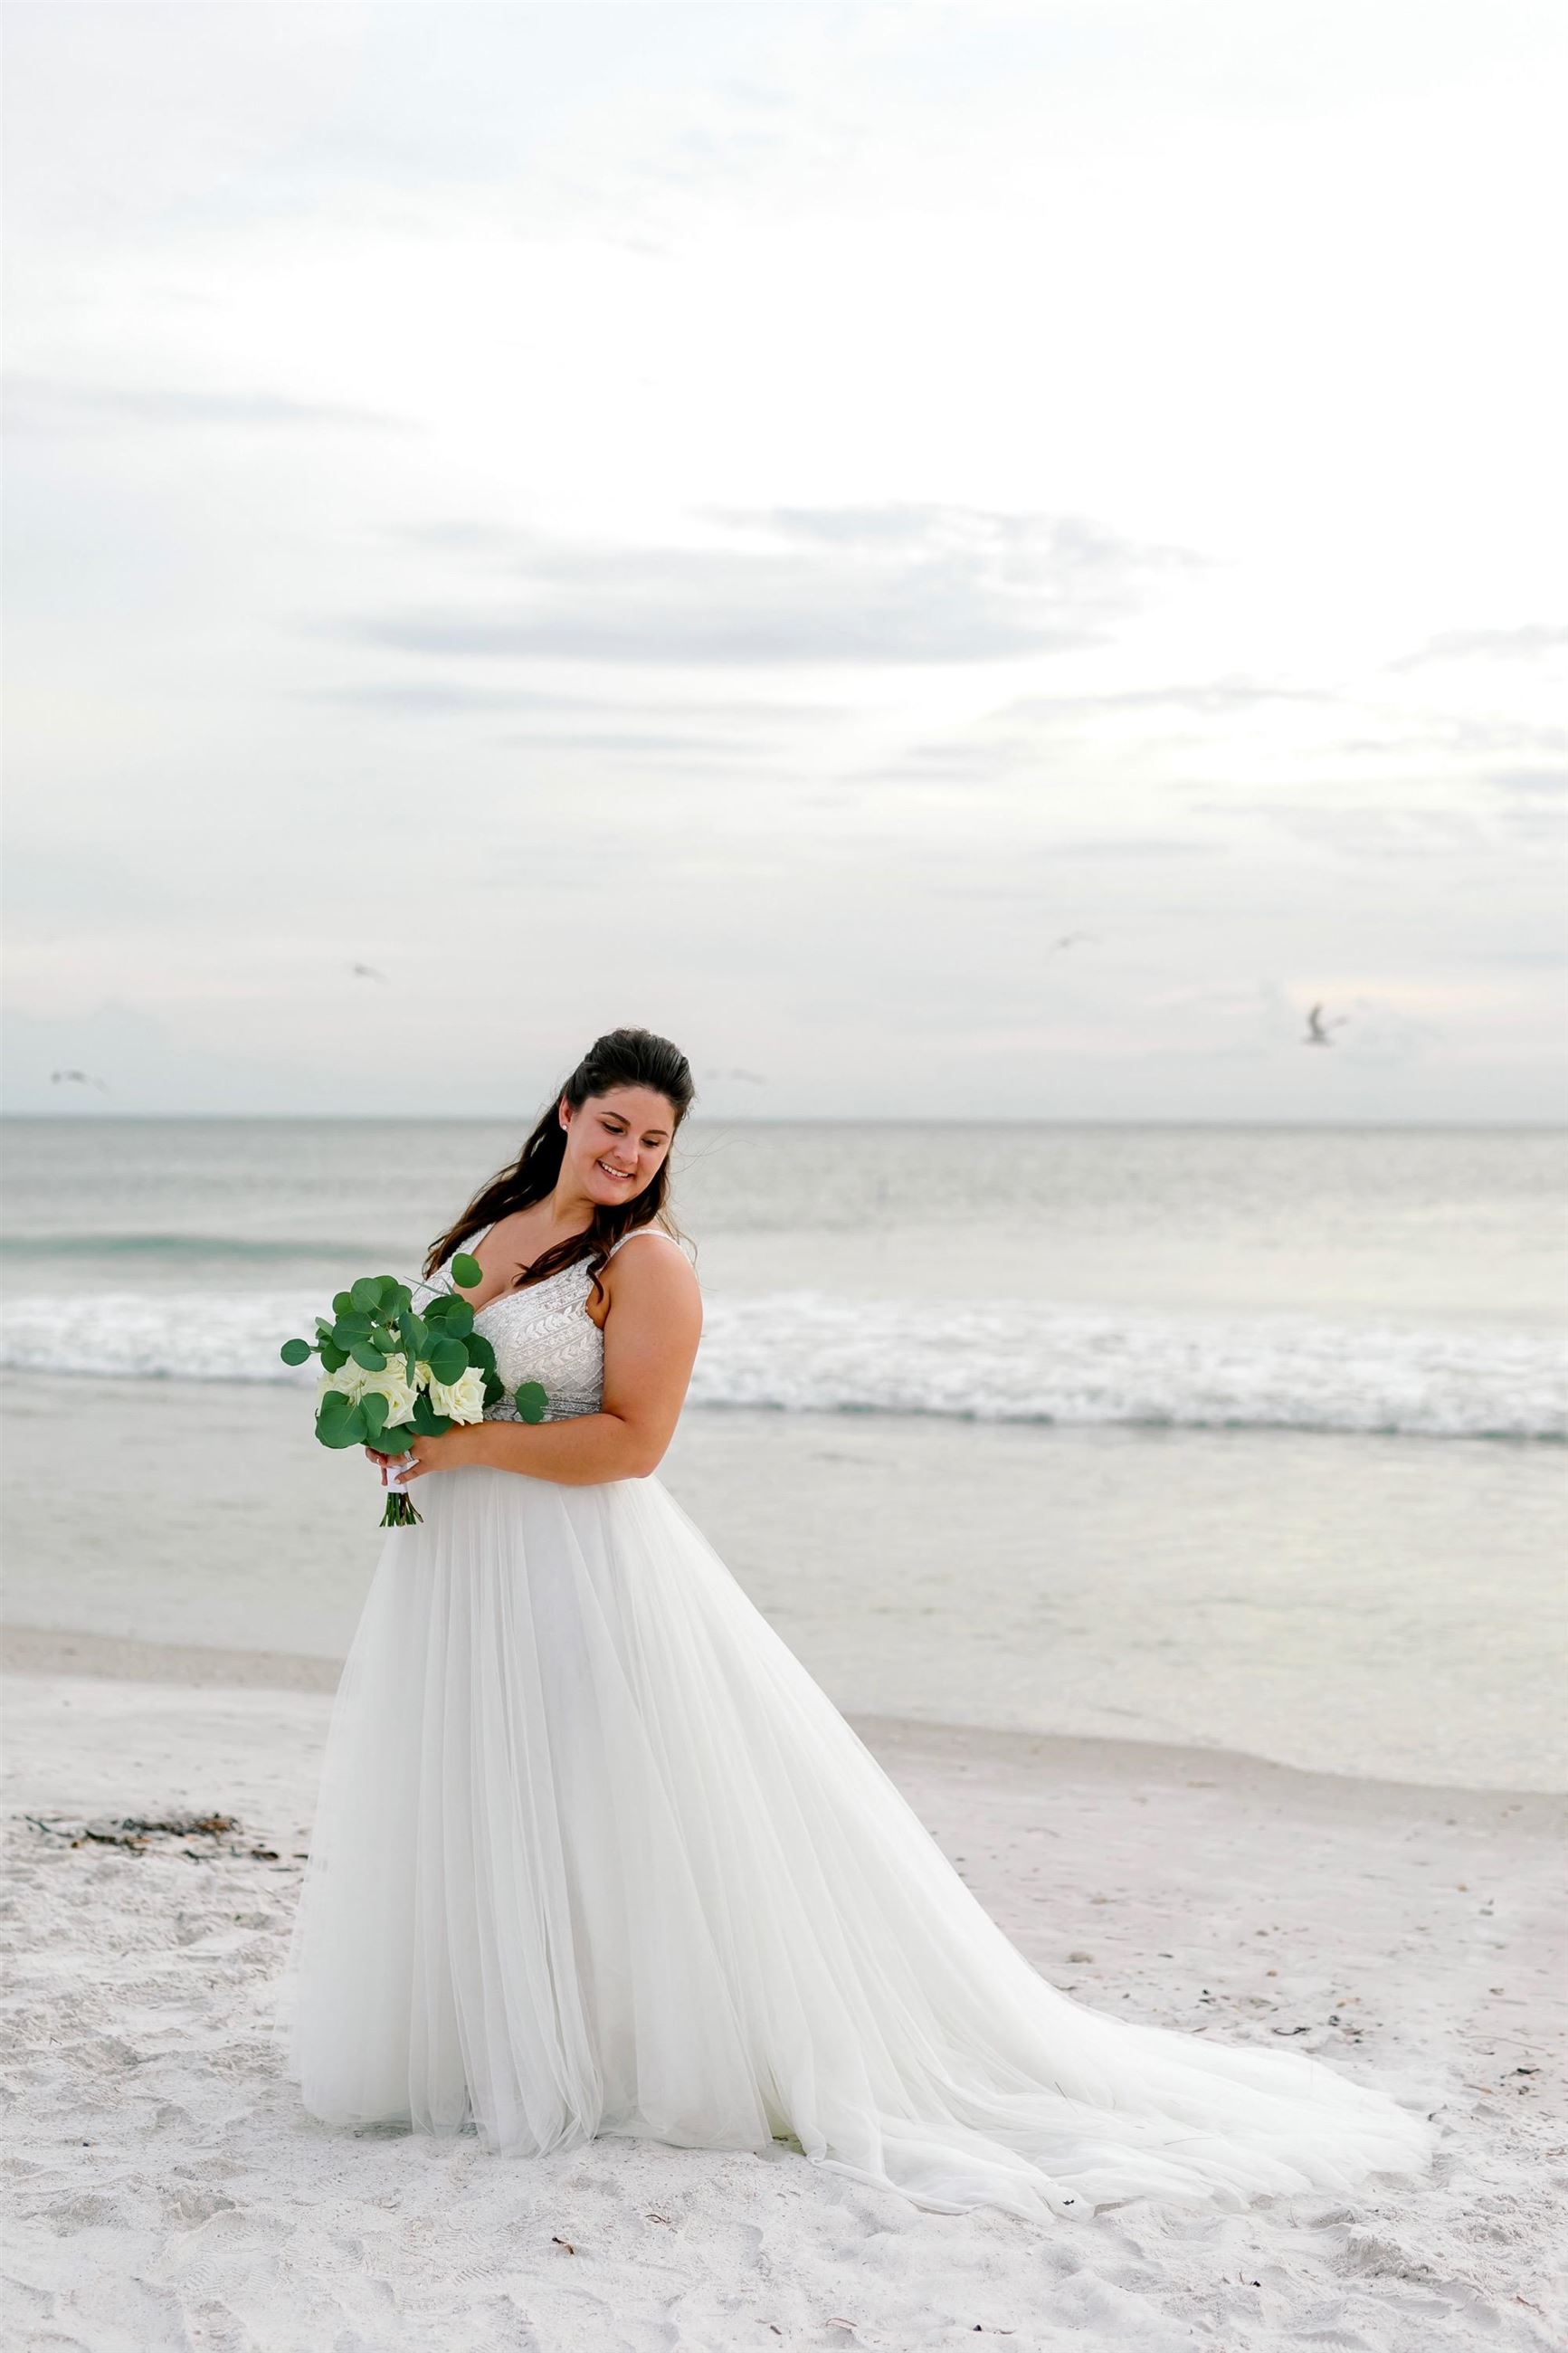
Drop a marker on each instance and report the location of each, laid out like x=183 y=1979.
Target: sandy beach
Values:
x=167 y=2190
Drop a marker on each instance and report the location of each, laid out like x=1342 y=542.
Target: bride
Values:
x=595 y=1855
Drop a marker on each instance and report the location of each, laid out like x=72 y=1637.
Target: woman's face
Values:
x=616 y=1141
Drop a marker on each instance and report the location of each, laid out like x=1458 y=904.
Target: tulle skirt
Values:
x=595 y=1855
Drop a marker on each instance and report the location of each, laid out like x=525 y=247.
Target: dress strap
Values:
x=632 y=1236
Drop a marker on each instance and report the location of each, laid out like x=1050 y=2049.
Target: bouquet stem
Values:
x=400 y=1512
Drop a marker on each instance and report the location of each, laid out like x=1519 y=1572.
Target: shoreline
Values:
x=1322 y=1601
x=61 y=1654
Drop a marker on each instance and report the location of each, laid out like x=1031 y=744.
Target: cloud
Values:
x=1535 y=641
x=40 y=405
x=1539 y=784
x=1547 y=959
x=958 y=761
x=1467 y=736
x=1371 y=833
x=644 y=742
x=438 y=698
x=1013 y=737
x=1138 y=845
x=906 y=584
x=1209 y=697
x=1031 y=878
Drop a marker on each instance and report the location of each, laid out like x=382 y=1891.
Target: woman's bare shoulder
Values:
x=663 y=1282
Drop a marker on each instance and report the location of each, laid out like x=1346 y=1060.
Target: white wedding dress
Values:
x=595 y=1855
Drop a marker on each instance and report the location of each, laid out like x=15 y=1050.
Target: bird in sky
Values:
x=1069 y=940
x=1318 y=1028
x=366 y=972
x=78 y=1077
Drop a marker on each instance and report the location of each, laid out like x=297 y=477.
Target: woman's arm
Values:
x=651 y=1331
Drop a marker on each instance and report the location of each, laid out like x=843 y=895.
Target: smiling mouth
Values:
x=620 y=1176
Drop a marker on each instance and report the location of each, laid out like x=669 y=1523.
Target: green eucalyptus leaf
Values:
x=495 y=1388
x=351 y=1327
x=333 y=1358
x=374 y=1411
x=366 y=1293
x=370 y=1359
x=466 y=1270
x=459 y=1319
x=480 y=1351
x=337 y=1424
x=425 y=1416
x=296 y=1352
x=397 y=1438
x=448 y=1360
x=532 y=1401
x=342 y=1303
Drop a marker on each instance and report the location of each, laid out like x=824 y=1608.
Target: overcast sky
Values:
x=763 y=520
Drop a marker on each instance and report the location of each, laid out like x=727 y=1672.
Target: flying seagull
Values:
x=366 y=972
x=78 y=1077
x=1318 y=1030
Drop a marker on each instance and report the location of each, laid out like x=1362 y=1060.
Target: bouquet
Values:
x=390 y=1375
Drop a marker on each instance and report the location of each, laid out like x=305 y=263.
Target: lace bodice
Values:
x=544 y=1333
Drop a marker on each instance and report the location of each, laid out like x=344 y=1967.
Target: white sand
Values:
x=168 y=2191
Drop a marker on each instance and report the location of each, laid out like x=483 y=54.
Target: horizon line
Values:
x=86 y=1117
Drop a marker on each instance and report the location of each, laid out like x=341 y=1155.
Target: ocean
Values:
x=1124 y=1404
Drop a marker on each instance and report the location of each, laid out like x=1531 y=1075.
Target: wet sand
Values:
x=1330 y=1601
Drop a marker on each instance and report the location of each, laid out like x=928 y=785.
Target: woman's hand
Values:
x=442 y=1454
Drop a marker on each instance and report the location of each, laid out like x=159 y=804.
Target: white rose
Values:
x=392 y=1383
x=462 y=1399
x=349 y=1379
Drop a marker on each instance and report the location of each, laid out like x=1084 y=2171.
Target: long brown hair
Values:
x=621 y=1057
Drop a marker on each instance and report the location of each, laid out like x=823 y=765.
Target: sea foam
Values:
x=804 y=1351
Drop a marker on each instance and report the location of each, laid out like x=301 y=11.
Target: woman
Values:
x=595 y=1855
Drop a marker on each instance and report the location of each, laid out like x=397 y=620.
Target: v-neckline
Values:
x=518 y=1289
